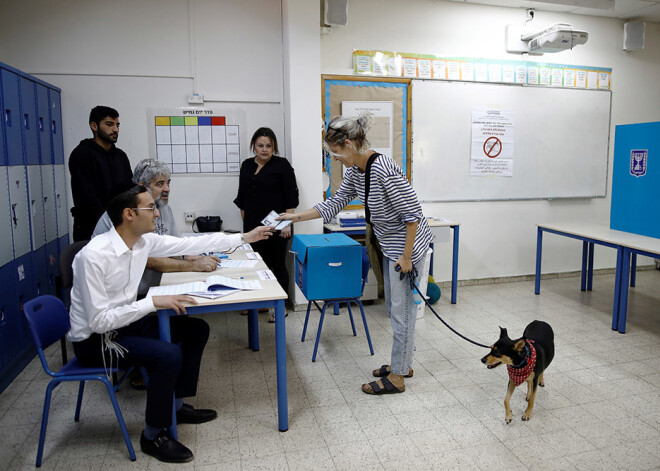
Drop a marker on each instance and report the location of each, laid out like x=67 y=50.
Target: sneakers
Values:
x=165 y=448
x=189 y=415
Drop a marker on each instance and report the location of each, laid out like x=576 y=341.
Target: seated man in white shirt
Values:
x=155 y=177
x=109 y=327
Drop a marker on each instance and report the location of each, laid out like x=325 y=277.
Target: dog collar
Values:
x=518 y=374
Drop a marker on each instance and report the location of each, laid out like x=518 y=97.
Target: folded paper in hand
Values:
x=214 y=287
x=270 y=220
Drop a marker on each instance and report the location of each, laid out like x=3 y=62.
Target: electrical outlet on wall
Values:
x=189 y=216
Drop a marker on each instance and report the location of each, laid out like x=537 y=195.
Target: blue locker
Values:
x=56 y=126
x=25 y=284
x=52 y=257
x=29 y=121
x=41 y=275
x=9 y=334
x=11 y=115
x=3 y=155
x=44 y=125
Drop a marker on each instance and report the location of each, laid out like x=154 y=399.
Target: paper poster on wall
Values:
x=380 y=134
x=492 y=142
x=198 y=140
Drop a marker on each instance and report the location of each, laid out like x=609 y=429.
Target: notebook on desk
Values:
x=212 y=288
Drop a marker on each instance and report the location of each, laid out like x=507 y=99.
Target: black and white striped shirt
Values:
x=392 y=203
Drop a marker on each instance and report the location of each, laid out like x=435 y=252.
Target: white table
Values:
x=627 y=245
x=272 y=295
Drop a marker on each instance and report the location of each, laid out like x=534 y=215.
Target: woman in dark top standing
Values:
x=267 y=183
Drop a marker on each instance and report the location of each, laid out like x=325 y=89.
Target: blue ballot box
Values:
x=328 y=266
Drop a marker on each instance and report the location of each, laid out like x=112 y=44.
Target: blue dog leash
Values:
x=412 y=275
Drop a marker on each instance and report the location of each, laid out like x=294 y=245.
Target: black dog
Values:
x=526 y=359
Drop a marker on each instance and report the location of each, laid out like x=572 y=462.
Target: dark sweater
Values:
x=273 y=188
x=94 y=172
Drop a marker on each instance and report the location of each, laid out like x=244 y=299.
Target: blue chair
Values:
x=348 y=301
x=48 y=321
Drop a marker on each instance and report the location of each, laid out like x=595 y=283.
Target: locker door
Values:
x=29 y=121
x=19 y=213
x=50 y=216
x=56 y=126
x=44 y=125
x=3 y=156
x=11 y=116
x=6 y=247
x=10 y=333
x=36 y=206
x=60 y=201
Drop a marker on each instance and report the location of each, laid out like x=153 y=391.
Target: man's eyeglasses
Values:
x=150 y=208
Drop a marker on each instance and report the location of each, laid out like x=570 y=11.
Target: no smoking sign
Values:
x=492 y=147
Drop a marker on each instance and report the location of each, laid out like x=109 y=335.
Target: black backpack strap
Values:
x=367 y=184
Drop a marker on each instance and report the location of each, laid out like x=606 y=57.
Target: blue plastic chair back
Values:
x=48 y=320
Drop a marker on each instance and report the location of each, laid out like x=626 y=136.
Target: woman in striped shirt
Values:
x=398 y=225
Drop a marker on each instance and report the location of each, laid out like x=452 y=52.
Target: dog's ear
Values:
x=503 y=333
x=519 y=345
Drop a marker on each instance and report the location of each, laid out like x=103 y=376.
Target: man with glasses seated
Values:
x=109 y=327
x=154 y=175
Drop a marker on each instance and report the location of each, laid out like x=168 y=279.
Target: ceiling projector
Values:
x=555 y=38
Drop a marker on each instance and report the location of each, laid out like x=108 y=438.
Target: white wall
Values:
x=154 y=53
x=499 y=238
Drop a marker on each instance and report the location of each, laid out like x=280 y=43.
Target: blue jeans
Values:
x=403 y=313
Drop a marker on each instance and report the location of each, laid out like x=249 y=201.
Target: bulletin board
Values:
x=560 y=141
x=338 y=89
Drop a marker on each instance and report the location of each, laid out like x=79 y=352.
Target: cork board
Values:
x=337 y=89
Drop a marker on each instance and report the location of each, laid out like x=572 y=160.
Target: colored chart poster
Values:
x=197 y=140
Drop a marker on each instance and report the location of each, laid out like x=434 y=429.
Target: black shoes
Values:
x=189 y=415
x=165 y=448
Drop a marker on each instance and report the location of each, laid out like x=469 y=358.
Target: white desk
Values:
x=454 y=225
x=627 y=245
x=272 y=295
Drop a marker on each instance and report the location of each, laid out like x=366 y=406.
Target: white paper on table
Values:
x=247 y=247
x=228 y=263
x=253 y=256
x=266 y=275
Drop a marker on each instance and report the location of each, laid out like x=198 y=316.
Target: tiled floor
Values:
x=600 y=408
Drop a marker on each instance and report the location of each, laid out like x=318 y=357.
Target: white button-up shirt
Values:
x=106 y=276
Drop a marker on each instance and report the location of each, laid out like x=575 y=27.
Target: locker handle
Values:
x=2 y=316
x=26 y=120
x=41 y=124
x=13 y=210
x=8 y=117
x=54 y=127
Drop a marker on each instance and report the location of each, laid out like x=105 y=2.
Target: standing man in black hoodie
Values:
x=96 y=166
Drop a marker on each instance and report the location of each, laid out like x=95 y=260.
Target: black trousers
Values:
x=171 y=367
x=273 y=251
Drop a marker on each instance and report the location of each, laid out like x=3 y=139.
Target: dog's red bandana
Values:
x=519 y=375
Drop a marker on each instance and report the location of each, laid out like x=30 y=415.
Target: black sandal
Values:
x=388 y=388
x=383 y=371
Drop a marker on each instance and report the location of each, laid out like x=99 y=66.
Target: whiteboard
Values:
x=561 y=141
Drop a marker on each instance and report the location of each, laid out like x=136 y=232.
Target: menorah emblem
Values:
x=638 y=160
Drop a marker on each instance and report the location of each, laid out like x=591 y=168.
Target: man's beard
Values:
x=160 y=203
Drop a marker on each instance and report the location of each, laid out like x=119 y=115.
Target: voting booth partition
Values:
x=32 y=205
x=636 y=179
